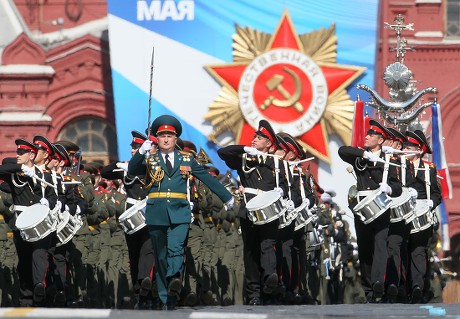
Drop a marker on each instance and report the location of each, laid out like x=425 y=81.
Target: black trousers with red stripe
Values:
x=33 y=264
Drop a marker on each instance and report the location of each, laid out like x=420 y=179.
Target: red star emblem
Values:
x=286 y=86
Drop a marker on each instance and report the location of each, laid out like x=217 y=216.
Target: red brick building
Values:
x=55 y=76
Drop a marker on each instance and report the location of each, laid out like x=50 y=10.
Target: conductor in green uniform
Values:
x=168 y=213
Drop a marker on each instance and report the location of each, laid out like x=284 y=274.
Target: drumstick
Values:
x=268 y=154
x=381 y=160
x=70 y=183
x=43 y=181
x=301 y=161
x=351 y=171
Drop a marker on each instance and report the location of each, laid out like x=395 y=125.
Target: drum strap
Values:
x=427 y=182
x=287 y=173
x=403 y=169
x=386 y=167
x=302 y=189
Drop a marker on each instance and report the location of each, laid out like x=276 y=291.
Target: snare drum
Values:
x=265 y=208
x=402 y=207
x=372 y=206
x=303 y=218
x=133 y=219
x=67 y=227
x=423 y=217
x=37 y=221
x=315 y=240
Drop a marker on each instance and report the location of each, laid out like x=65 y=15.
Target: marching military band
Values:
x=167 y=229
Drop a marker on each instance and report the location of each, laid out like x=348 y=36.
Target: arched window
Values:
x=96 y=138
x=453 y=19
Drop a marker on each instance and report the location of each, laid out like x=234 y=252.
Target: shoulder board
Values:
x=46 y=171
x=430 y=164
x=393 y=157
x=68 y=178
x=185 y=153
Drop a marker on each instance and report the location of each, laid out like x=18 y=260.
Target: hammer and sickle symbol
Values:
x=275 y=83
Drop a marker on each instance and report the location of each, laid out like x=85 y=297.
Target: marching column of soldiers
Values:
x=167 y=229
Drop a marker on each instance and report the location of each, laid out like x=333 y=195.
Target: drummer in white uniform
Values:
x=399 y=230
x=258 y=175
x=27 y=190
x=429 y=194
x=372 y=236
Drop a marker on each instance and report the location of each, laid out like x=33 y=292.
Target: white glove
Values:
x=251 y=150
x=230 y=203
x=326 y=197
x=145 y=147
x=279 y=190
x=388 y=149
x=28 y=171
x=45 y=202
x=290 y=205
x=339 y=223
x=192 y=205
x=430 y=203
x=306 y=201
x=66 y=208
x=77 y=210
x=124 y=165
x=371 y=157
x=384 y=187
x=413 y=193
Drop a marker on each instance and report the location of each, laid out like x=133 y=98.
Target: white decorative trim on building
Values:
x=428 y=34
x=24 y=117
x=27 y=69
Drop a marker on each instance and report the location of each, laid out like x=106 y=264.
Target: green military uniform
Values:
x=210 y=293
x=118 y=265
x=9 y=281
x=81 y=241
x=194 y=259
x=168 y=213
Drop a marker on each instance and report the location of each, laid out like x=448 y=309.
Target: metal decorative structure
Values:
x=406 y=104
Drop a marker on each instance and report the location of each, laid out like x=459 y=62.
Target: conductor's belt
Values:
x=254 y=191
x=168 y=195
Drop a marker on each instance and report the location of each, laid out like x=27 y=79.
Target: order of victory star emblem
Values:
x=292 y=80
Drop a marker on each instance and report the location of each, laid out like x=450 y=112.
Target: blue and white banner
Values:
x=190 y=36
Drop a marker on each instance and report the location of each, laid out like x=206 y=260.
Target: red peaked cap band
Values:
x=166 y=128
x=417 y=142
x=42 y=144
x=267 y=134
x=27 y=147
x=379 y=130
x=138 y=140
